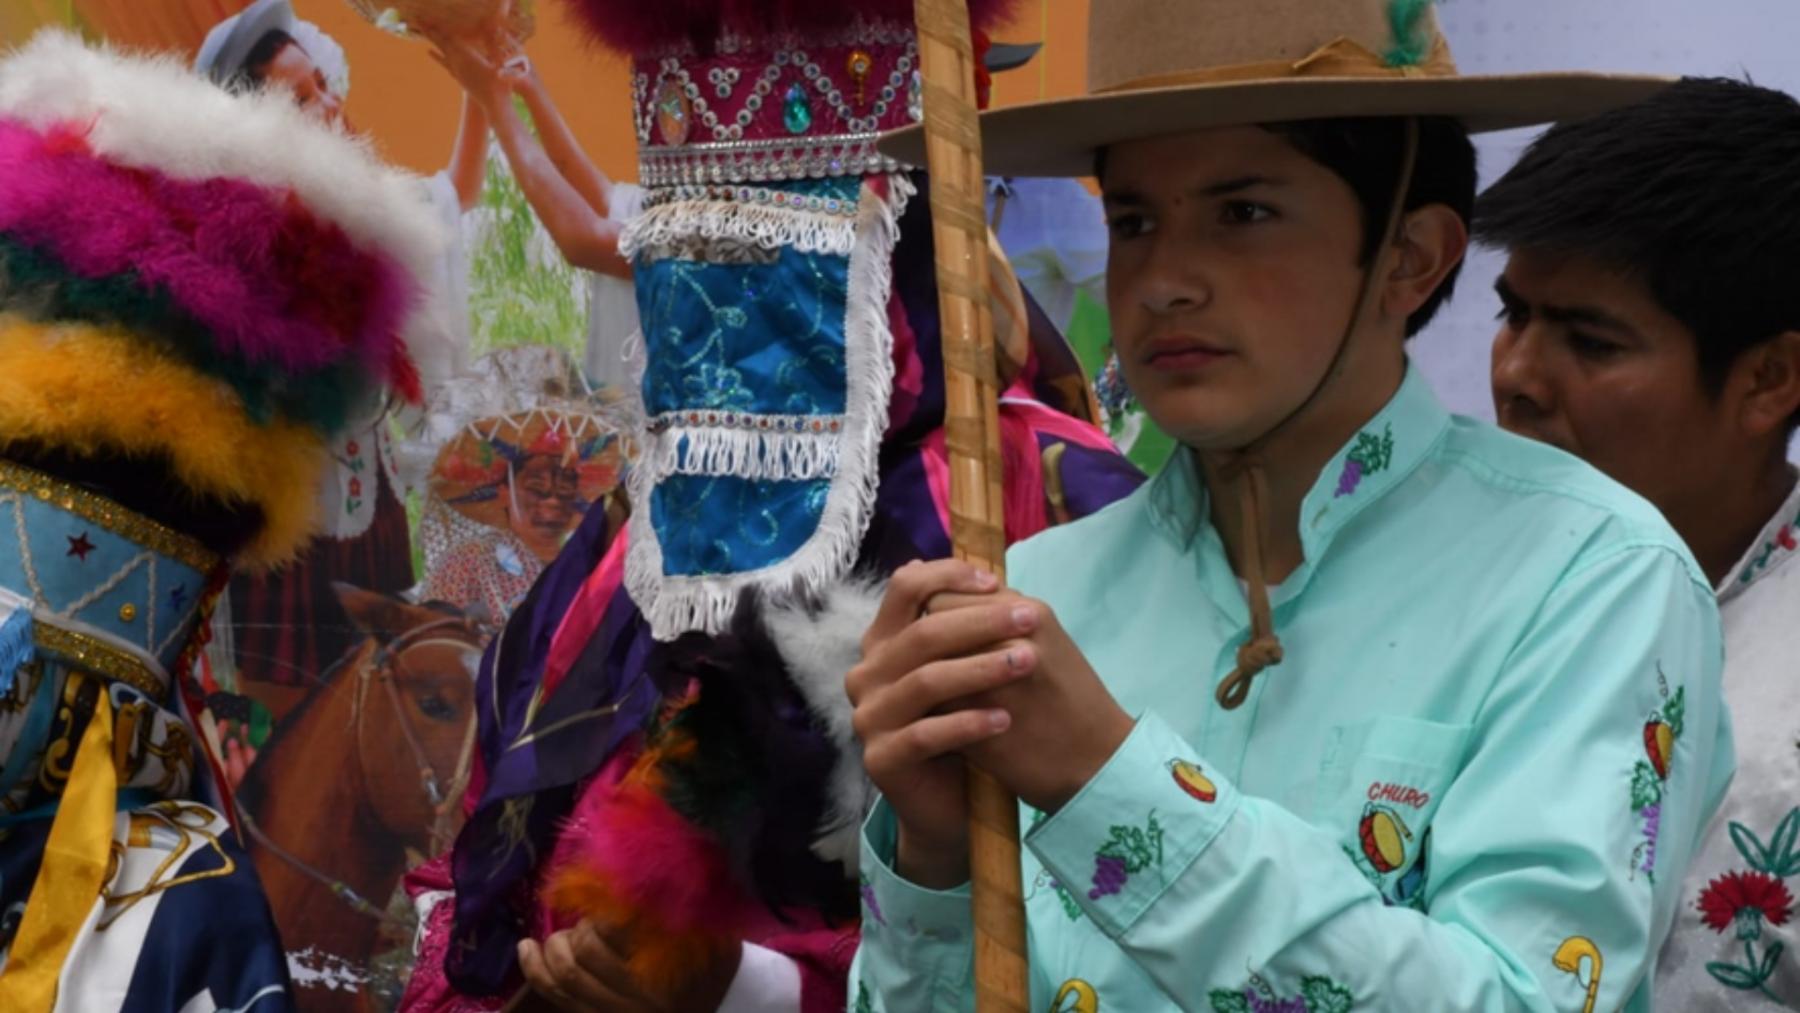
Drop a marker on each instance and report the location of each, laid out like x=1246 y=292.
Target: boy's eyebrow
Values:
x=1122 y=198
x=1230 y=186
x=1127 y=197
x=1589 y=316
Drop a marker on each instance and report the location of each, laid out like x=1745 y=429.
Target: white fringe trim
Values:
x=674 y=605
x=799 y=457
x=762 y=225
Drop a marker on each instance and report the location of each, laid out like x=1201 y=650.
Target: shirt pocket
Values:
x=1380 y=784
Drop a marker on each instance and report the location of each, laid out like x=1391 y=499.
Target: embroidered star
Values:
x=80 y=546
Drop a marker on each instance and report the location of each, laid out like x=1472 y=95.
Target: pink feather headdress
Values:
x=638 y=27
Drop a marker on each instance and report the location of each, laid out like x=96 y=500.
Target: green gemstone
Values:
x=796 y=111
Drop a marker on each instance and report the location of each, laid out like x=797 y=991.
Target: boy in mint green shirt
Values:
x=1358 y=705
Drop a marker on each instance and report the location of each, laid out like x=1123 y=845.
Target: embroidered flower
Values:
x=1746 y=899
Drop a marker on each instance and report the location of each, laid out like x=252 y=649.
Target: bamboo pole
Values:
x=977 y=520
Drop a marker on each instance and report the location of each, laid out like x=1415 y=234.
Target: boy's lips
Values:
x=1182 y=353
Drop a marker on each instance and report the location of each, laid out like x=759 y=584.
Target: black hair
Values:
x=146 y=484
x=255 y=71
x=1695 y=192
x=1366 y=153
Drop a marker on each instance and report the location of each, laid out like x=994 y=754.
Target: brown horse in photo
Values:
x=356 y=778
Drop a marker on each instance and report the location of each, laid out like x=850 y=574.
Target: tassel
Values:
x=17 y=649
x=1411 y=45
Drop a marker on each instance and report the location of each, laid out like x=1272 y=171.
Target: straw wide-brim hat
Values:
x=1005 y=56
x=1161 y=67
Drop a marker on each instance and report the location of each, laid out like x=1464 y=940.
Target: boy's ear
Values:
x=1766 y=381
x=1430 y=243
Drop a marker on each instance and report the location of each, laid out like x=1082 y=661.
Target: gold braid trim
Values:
x=164 y=541
x=92 y=654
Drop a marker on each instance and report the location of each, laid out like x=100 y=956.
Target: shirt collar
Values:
x=1374 y=460
x=1377 y=458
x=1775 y=545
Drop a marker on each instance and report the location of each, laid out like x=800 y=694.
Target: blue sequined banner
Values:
x=749 y=373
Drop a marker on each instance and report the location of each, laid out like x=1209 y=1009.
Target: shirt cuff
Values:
x=1136 y=827
x=900 y=914
x=766 y=982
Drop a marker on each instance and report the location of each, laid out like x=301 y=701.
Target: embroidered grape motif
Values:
x=1109 y=876
x=1372 y=454
x=1128 y=851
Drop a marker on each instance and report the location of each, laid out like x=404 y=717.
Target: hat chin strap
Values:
x=1244 y=469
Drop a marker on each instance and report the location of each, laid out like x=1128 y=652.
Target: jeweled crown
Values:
x=777 y=108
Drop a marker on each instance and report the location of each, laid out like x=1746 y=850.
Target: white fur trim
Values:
x=153 y=112
x=678 y=604
x=819 y=650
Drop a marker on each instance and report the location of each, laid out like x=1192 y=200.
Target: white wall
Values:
x=1725 y=38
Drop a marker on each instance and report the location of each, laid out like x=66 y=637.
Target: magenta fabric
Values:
x=822 y=954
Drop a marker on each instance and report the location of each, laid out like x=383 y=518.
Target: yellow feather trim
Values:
x=96 y=390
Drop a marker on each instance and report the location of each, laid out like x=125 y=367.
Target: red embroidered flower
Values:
x=1745 y=898
x=356 y=487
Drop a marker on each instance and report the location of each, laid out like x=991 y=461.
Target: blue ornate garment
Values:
x=769 y=363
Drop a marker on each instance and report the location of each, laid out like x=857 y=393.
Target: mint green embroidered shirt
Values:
x=1474 y=783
